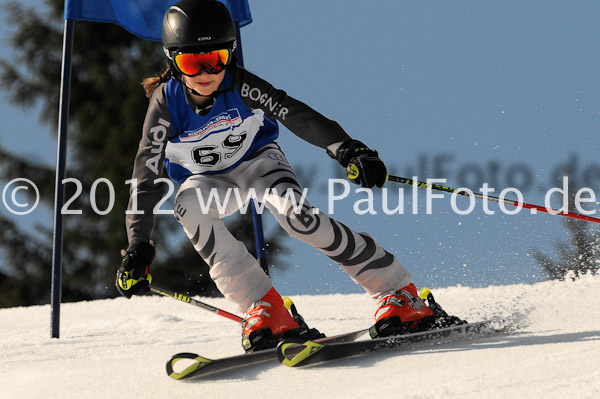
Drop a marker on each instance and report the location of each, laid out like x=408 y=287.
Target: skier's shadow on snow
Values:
x=496 y=342
x=520 y=339
x=245 y=374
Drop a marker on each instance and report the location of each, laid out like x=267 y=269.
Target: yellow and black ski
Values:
x=293 y=353
x=190 y=365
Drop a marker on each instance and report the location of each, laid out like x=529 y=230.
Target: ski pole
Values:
x=183 y=298
x=534 y=208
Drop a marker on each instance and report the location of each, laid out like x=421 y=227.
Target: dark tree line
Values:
x=577 y=254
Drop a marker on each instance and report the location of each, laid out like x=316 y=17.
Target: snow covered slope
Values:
x=118 y=348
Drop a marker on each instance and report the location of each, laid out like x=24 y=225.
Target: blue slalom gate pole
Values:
x=259 y=237
x=61 y=162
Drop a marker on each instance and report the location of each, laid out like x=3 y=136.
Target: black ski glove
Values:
x=362 y=164
x=132 y=276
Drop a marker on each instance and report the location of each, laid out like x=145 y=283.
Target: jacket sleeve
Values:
x=298 y=117
x=146 y=192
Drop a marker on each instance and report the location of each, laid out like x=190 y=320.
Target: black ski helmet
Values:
x=198 y=25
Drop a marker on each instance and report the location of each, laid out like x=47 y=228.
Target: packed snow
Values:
x=119 y=347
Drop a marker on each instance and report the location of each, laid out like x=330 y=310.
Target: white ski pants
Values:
x=234 y=270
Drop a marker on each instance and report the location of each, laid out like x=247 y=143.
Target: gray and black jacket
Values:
x=185 y=141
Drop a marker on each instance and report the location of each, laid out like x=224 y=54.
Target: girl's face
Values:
x=205 y=83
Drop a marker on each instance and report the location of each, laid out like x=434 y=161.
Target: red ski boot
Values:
x=401 y=312
x=267 y=321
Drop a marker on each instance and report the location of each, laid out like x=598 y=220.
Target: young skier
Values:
x=212 y=125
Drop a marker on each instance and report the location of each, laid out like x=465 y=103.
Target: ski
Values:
x=197 y=366
x=295 y=353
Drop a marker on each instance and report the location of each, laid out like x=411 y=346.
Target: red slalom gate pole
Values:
x=480 y=196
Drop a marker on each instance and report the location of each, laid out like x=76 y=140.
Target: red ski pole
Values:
x=535 y=208
x=183 y=298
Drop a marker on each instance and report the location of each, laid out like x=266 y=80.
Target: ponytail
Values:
x=150 y=84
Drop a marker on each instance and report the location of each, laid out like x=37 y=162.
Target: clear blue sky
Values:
x=497 y=92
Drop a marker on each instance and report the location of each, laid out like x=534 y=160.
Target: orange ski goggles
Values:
x=192 y=64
